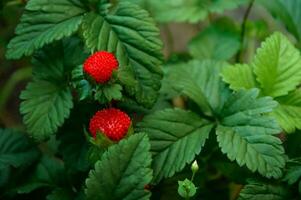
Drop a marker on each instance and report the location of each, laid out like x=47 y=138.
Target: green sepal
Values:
x=106 y=93
x=186 y=188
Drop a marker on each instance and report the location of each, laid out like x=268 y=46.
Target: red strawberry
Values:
x=100 y=66
x=112 y=122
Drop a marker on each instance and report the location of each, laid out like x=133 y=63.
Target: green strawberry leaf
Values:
x=277 y=69
x=219 y=41
x=43 y=22
x=255 y=190
x=246 y=135
x=189 y=10
x=15 y=149
x=47 y=100
x=277 y=65
x=201 y=82
x=122 y=172
x=132 y=36
x=288 y=12
x=293 y=172
x=288 y=112
x=49 y=173
x=239 y=76
x=176 y=136
x=45 y=107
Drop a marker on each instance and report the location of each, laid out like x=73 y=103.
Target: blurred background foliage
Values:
x=201 y=29
x=228 y=30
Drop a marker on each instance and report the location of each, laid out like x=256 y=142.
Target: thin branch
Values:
x=243 y=30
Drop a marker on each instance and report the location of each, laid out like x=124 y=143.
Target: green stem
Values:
x=7 y=89
x=192 y=177
x=243 y=31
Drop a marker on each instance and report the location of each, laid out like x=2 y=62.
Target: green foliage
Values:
x=176 y=136
x=246 y=135
x=293 y=173
x=48 y=173
x=47 y=100
x=205 y=92
x=275 y=70
x=122 y=177
x=219 y=41
x=288 y=112
x=60 y=194
x=131 y=34
x=82 y=86
x=108 y=92
x=240 y=76
x=243 y=132
x=189 y=10
x=258 y=190
x=277 y=66
x=15 y=149
x=43 y=22
x=126 y=76
x=45 y=107
x=74 y=148
x=288 y=12
x=200 y=81
x=186 y=188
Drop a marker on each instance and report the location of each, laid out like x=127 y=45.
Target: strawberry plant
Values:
x=114 y=110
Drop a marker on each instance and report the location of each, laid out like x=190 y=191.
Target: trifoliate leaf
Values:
x=255 y=190
x=246 y=135
x=47 y=100
x=132 y=36
x=189 y=10
x=43 y=22
x=277 y=66
x=201 y=82
x=288 y=12
x=239 y=76
x=277 y=69
x=122 y=172
x=176 y=136
x=219 y=41
x=15 y=149
x=288 y=112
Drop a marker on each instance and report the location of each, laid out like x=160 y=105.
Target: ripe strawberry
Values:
x=112 y=122
x=100 y=66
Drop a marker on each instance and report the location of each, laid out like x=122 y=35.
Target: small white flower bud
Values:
x=194 y=167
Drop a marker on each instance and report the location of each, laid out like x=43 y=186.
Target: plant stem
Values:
x=192 y=177
x=243 y=31
x=6 y=91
